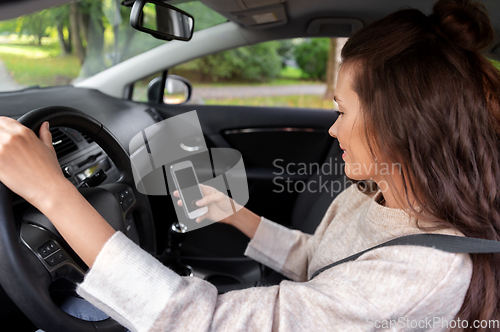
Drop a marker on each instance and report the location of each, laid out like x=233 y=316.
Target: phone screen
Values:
x=189 y=187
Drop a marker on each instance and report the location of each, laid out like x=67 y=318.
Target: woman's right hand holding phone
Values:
x=220 y=209
x=218 y=204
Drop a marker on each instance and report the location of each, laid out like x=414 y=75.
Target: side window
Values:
x=285 y=73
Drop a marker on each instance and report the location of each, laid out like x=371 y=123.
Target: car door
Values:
x=283 y=150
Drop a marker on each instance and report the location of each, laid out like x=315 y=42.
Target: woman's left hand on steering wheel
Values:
x=29 y=167
x=28 y=164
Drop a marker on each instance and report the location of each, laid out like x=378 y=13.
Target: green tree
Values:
x=203 y=18
x=9 y=26
x=259 y=62
x=92 y=25
x=285 y=50
x=311 y=56
x=60 y=18
x=36 y=25
x=74 y=30
x=331 y=70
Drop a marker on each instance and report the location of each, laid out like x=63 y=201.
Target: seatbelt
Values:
x=448 y=243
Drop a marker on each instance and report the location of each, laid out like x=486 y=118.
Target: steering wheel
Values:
x=33 y=254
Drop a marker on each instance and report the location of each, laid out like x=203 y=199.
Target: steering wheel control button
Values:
x=48 y=248
x=56 y=258
x=122 y=195
x=126 y=198
x=127 y=203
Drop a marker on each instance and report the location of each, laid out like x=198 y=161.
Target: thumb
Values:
x=45 y=135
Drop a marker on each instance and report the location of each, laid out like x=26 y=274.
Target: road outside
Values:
x=7 y=83
x=201 y=93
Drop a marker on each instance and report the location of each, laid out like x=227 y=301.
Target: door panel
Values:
x=272 y=141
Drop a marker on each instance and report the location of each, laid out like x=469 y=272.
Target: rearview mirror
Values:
x=161 y=20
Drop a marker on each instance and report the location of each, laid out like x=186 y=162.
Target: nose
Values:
x=333 y=130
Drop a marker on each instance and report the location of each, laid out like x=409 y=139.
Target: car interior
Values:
x=94 y=120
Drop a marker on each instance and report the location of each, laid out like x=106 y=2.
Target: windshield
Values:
x=65 y=44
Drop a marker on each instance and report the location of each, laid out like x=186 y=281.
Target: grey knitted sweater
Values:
x=400 y=288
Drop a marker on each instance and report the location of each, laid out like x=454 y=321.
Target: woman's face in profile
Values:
x=349 y=129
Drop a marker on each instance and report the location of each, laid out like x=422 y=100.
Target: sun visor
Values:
x=248 y=4
x=261 y=17
x=331 y=26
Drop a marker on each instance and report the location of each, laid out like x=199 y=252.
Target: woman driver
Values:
x=413 y=91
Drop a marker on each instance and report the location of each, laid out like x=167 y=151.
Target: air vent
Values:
x=62 y=143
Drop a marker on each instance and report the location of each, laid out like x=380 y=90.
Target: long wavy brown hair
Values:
x=431 y=99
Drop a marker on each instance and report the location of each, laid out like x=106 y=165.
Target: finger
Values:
x=205 y=189
x=179 y=202
x=201 y=218
x=176 y=193
x=45 y=135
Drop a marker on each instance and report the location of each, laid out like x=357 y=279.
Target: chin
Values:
x=357 y=177
x=354 y=172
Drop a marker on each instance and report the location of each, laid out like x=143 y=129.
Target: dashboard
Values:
x=122 y=117
x=80 y=157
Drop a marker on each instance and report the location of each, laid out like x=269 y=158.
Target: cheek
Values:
x=362 y=153
x=355 y=143
x=360 y=165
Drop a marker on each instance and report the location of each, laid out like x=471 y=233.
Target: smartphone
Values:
x=189 y=189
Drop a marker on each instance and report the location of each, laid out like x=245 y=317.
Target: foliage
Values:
x=203 y=18
x=58 y=15
x=8 y=27
x=259 y=62
x=285 y=51
x=36 y=25
x=292 y=73
x=103 y=37
x=312 y=57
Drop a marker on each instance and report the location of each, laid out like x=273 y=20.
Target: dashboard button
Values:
x=56 y=258
x=123 y=194
x=127 y=203
x=48 y=248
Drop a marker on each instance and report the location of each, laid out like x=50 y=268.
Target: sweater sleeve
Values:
x=143 y=295
x=273 y=243
x=289 y=251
